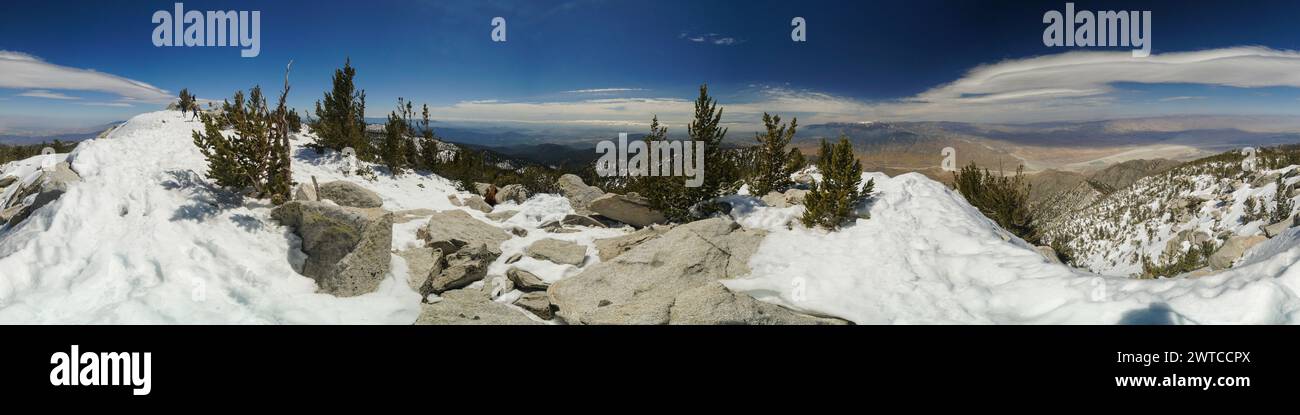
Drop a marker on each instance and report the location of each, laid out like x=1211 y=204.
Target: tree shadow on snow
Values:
x=207 y=200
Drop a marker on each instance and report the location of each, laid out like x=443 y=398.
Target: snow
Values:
x=927 y=257
x=144 y=238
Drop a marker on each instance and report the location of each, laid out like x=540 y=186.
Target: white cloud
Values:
x=603 y=90
x=24 y=71
x=41 y=93
x=711 y=38
x=1067 y=86
x=107 y=104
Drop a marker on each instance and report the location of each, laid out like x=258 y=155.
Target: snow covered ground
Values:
x=144 y=238
x=926 y=256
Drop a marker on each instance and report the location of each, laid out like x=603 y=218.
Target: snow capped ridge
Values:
x=926 y=256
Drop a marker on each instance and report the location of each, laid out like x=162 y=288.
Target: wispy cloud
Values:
x=41 y=93
x=24 y=71
x=1067 y=86
x=107 y=104
x=603 y=90
x=1182 y=98
x=711 y=38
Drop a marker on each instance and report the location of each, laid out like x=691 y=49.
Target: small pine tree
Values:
x=774 y=165
x=1282 y=203
x=256 y=155
x=428 y=154
x=187 y=102
x=795 y=161
x=341 y=116
x=294 y=121
x=831 y=202
x=392 y=150
x=1001 y=198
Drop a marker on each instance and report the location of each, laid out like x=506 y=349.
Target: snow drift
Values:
x=927 y=256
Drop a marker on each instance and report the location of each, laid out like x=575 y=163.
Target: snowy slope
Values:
x=144 y=238
x=926 y=256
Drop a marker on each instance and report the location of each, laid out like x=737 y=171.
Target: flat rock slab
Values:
x=558 y=251
x=470 y=307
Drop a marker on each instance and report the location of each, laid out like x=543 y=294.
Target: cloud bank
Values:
x=1066 y=86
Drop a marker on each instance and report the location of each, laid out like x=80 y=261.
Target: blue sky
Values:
x=618 y=62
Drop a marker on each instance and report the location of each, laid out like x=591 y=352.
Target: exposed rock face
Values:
x=1232 y=250
x=1048 y=253
x=526 y=281
x=470 y=306
x=476 y=202
x=579 y=194
x=420 y=262
x=774 y=199
x=347 y=248
x=513 y=192
x=7 y=180
x=46 y=188
x=655 y=282
x=1277 y=228
x=631 y=209
x=458 y=269
x=346 y=193
x=608 y=248
x=714 y=304
x=452 y=229
x=305 y=192
x=580 y=220
x=557 y=251
x=537 y=303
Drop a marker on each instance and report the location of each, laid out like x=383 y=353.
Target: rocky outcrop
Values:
x=645 y=283
x=476 y=202
x=451 y=230
x=306 y=192
x=458 y=269
x=631 y=209
x=714 y=304
x=580 y=220
x=557 y=251
x=48 y=187
x=791 y=197
x=470 y=307
x=420 y=262
x=1276 y=229
x=6 y=181
x=526 y=281
x=513 y=192
x=608 y=248
x=579 y=194
x=346 y=193
x=1048 y=253
x=348 y=249
x=537 y=303
x=1232 y=250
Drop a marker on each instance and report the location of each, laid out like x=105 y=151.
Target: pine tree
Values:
x=1282 y=204
x=774 y=165
x=255 y=156
x=187 y=102
x=832 y=201
x=1001 y=198
x=428 y=155
x=680 y=203
x=341 y=116
x=392 y=150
